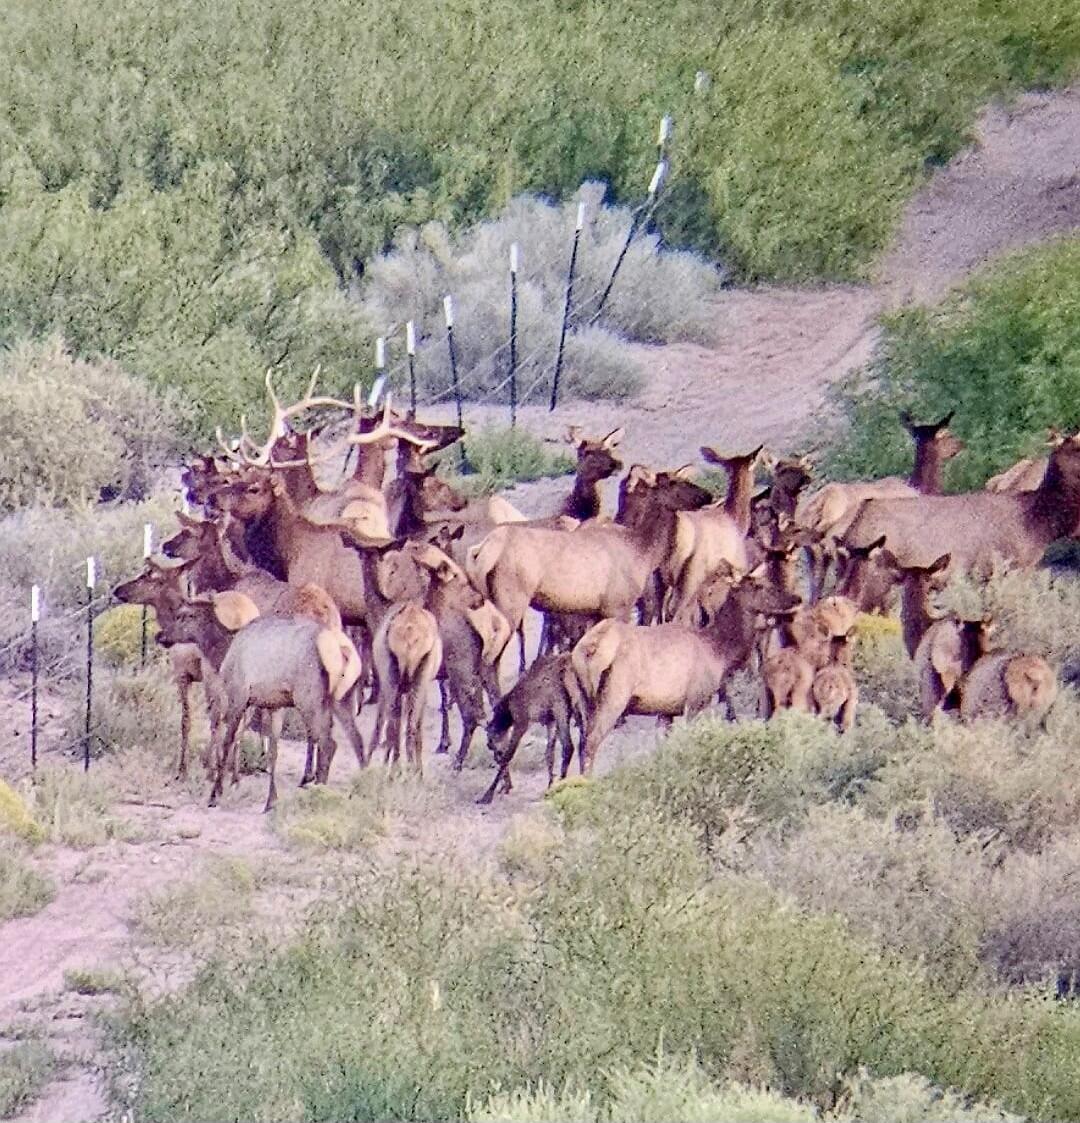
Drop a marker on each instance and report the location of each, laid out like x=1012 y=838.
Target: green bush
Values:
x=118 y=635
x=1004 y=352
x=498 y=458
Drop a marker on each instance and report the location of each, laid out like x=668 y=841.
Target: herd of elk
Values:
x=286 y=593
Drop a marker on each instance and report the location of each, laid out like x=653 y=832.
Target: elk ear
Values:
x=188 y=522
x=907 y=421
x=445 y=570
x=573 y=435
x=456 y=533
x=755 y=574
x=941 y=563
x=233 y=610
x=710 y=455
x=875 y=546
x=686 y=472
x=756 y=453
x=939 y=425
x=613 y=438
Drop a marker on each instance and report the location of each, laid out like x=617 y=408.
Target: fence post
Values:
x=654 y=187
x=566 y=306
x=448 y=313
x=410 y=350
x=35 y=614
x=380 y=372
x=513 y=333
x=147 y=550
x=90 y=583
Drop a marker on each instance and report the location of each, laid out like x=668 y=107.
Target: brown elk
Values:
x=977 y=527
x=548 y=693
x=1005 y=683
x=867 y=575
x=671 y=669
x=596 y=461
x=835 y=693
x=597 y=568
x=160 y=588
x=832 y=510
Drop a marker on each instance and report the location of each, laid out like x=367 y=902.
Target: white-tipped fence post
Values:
x=654 y=189
x=663 y=136
x=380 y=373
x=448 y=315
x=91 y=581
x=35 y=615
x=147 y=550
x=578 y=227
x=410 y=351
x=513 y=332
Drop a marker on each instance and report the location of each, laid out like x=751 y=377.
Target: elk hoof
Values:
x=442 y=750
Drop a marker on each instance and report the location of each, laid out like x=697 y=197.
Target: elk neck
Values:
x=926 y=472
x=740 y=485
x=915 y=612
x=1055 y=505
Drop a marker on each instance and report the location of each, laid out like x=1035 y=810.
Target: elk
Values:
x=832 y=510
x=835 y=693
x=473 y=633
x=408 y=653
x=706 y=537
x=269 y=663
x=596 y=461
x=943 y=647
x=597 y=568
x=671 y=669
x=158 y=587
x=867 y=575
x=548 y=693
x=1005 y=683
x=976 y=527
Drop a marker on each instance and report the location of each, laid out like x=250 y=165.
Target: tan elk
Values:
x=269 y=663
x=978 y=527
x=714 y=534
x=597 y=568
x=671 y=669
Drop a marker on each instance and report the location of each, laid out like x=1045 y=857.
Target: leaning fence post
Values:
x=566 y=306
x=654 y=187
x=513 y=333
x=448 y=313
x=410 y=351
x=147 y=550
x=90 y=583
x=35 y=615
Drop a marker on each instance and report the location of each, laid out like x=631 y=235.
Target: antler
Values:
x=385 y=430
x=281 y=414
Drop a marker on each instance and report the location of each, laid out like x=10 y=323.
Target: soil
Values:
x=777 y=350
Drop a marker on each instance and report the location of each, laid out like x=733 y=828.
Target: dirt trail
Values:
x=763 y=381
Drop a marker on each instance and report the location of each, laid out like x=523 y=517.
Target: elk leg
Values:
x=444 y=733
x=502 y=776
x=611 y=705
x=347 y=719
x=521 y=645
x=184 y=688
x=415 y=728
x=271 y=765
x=229 y=730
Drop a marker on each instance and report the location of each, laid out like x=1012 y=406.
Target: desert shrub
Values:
x=25 y=1069
x=376 y=801
x=132 y=710
x=1003 y=352
x=202 y=908
x=498 y=458
x=49 y=547
x=883 y=670
x=74 y=430
x=732 y=779
x=530 y=843
x=15 y=817
x=118 y=635
x=917 y=890
x=93 y=980
x=23 y=891
x=659 y=296
x=909 y=1098
x=74 y=807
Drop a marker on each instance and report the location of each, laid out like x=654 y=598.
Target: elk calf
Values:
x=1003 y=683
x=548 y=693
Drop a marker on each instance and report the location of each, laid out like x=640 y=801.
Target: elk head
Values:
x=596 y=459
x=867 y=575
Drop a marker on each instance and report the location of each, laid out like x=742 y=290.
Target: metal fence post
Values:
x=513 y=333
x=566 y=306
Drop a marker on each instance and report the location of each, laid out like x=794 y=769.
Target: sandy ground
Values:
x=777 y=350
